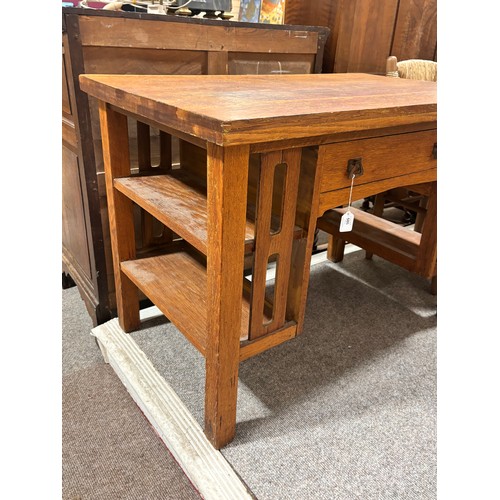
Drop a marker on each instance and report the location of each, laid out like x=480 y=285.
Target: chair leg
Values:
x=419 y=221
x=335 y=251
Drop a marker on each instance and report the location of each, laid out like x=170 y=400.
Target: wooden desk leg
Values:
x=427 y=251
x=227 y=177
x=115 y=150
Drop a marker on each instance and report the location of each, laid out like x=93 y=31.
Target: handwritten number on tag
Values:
x=346 y=222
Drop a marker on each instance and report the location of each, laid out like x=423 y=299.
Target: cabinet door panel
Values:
x=74 y=232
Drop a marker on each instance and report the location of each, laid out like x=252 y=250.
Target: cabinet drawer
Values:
x=382 y=158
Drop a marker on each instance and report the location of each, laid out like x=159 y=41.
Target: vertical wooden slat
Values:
x=143 y=146
x=281 y=243
x=268 y=244
x=262 y=241
x=307 y=214
x=166 y=164
x=165 y=150
x=114 y=132
x=144 y=163
x=227 y=176
x=217 y=63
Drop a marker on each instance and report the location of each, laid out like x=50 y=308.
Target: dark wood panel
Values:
x=66 y=104
x=125 y=60
x=74 y=230
x=320 y=13
x=365 y=36
x=415 y=35
x=363 y=33
x=69 y=135
x=105 y=32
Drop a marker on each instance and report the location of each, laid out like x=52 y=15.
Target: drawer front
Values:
x=381 y=157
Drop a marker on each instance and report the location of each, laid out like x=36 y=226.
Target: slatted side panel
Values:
x=152 y=231
x=274 y=227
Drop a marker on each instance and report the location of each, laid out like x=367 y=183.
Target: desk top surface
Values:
x=244 y=109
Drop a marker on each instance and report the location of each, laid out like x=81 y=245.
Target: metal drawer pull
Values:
x=354 y=167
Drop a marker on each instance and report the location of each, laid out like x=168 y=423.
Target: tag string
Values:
x=350 y=192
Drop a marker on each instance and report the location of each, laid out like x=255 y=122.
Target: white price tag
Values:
x=346 y=222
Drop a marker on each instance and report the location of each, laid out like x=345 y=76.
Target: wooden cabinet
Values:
x=129 y=43
x=365 y=32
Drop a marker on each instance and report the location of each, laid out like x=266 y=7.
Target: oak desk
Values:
x=269 y=155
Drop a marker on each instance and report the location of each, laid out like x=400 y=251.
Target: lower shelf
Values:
x=177 y=284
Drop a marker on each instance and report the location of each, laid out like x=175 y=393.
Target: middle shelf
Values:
x=178 y=200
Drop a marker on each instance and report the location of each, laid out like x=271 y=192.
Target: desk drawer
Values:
x=382 y=158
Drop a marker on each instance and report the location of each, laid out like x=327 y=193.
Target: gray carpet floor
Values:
x=345 y=411
x=109 y=449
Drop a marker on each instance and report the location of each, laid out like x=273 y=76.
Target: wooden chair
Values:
x=413 y=249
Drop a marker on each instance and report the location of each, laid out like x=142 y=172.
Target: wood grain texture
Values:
x=389 y=240
x=121 y=219
x=144 y=61
x=252 y=108
x=321 y=13
x=306 y=216
x=332 y=199
x=264 y=147
x=130 y=47
x=66 y=101
x=427 y=255
x=179 y=201
x=415 y=33
x=105 y=32
x=182 y=298
x=250 y=349
x=270 y=243
x=97 y=286
x=365 y=32
x=382 y=158
x=405 y=247
x=217 y=63
x=365 y=35
x=69 y=137
x=227 y=178
x=73 y=219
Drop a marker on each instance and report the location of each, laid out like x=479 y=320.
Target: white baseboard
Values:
x=205 y=466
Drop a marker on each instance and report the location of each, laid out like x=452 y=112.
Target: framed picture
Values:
x=272 y=11
x=262 y=11
x=249 y=11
